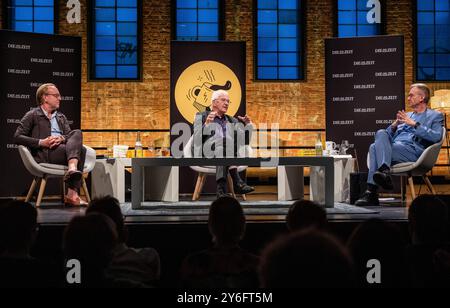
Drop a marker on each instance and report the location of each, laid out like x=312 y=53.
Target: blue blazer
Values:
x=427 y=133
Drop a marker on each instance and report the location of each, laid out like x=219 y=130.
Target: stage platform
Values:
x=197 y=212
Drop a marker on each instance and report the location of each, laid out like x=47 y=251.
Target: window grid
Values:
x=352 y=19
x=433 y=40
x=116 y=49
x=198 y=20
x=31 y=16
x=278 y=22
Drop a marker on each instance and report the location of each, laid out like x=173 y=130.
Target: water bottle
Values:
x=138 y=150
x=318 y=146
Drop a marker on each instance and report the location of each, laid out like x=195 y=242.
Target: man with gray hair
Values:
x=403 y=141
x=218 y=123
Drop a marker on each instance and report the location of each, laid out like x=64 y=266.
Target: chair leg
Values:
x=63 y=191
x=402 y=189
x=41 y=191
x=411 y=186
x=31 y=190
x=430 y=187
x=230 y=186
x=86 y=192
x=197 y=187
x=202 y=184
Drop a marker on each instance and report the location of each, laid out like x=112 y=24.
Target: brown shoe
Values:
x=75 y=203
x=73 y=176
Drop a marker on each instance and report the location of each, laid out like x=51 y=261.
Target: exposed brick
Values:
x=295 y=105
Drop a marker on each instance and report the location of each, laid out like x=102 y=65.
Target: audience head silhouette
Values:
x=110 y=207
x=226 y=221
x=91 y=239
x=308 y=258
x=303 y=214
x=376 y=239
x=428 y=220
x=18 y=227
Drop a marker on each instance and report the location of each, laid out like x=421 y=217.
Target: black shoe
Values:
x=221 y=194
x=221 y=191
x=383 y=179
x=243 y=189
x=368 y=199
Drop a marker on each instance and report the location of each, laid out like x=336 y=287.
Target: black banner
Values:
x=27 y=61
x=197 y=69
x=365 y=88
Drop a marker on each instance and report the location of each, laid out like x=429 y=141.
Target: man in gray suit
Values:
x=221 y=126
x=403 y=141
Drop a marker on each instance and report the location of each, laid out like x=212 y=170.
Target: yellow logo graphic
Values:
x=196 y=84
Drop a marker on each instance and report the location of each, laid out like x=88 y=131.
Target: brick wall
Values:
x=145 y=105
x=128 y=105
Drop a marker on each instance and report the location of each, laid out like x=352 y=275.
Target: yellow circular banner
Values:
x=196 y=84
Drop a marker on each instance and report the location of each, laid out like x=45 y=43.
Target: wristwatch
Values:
x=417 y=125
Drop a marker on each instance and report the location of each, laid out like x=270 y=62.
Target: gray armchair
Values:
x=420 y=167
x=43 y=171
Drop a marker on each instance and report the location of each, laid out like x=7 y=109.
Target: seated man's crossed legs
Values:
x=382 y=155
x=73 y=154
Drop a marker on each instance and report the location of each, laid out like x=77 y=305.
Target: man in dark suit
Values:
x=403 y=141
x=222 y=131
x=46 y=132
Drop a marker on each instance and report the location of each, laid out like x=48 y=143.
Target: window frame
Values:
x=383 y=30
x=6 y=24
x=221 y=21
x=302 y=45
x=91 y=46
x=416 y=49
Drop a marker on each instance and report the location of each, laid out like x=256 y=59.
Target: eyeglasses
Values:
x=54 y=95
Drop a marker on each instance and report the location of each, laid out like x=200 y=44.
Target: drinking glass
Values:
x=344 y=147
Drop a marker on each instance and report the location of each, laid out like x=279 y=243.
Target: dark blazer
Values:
x=199 y=121
x=35 y=126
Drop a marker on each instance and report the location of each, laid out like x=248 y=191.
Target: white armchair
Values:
x=43 y=171
x=204 y=171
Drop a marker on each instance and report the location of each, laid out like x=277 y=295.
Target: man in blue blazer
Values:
x=403 y=141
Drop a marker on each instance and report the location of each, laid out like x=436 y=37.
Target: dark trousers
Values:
x=222 y=171
x=71 y=149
